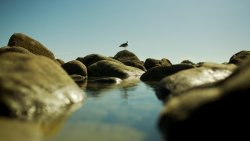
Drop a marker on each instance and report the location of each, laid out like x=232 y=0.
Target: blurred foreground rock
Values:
x=212 y=112
x=35 y=88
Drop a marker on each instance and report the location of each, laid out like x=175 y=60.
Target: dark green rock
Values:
x=93 y=58
x=239 y=57
x=150 y=63
x=75 y=67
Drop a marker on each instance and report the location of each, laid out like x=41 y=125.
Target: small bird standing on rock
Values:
x=124 y=45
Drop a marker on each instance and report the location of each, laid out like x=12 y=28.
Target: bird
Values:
x=124 y=45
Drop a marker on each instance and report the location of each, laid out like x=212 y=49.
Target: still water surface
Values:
x=124 y=112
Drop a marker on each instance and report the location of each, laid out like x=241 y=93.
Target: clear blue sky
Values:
x=199 y=30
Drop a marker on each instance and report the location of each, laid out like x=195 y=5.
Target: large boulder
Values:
x=212 y=112
x=93 y=58
x=75 y=67
x=130 y=59
x=14 y=49
x=239 y=57
x=206 y=73
x=150 y=63
x=158 y=73
x=35 y=88
x=106 y=68
x=22 y=40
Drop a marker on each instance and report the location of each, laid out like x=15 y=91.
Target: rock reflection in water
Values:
x=125 y=111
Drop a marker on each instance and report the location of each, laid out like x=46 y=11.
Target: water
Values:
x=124 y=112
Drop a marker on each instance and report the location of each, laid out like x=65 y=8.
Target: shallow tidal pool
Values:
x=125 y=112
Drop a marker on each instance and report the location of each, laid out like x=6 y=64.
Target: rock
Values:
x=78 y=78
x=206 y=73
x=130 y=59
x=75 y=67
x=150 y=63
x=135 y=64
x=22 y=40
x=60 y=61
x=14 y=49
x=239 y=57
x=93 y=58
x=108 y=80
x=158 y=73
x=213 y=112
x=187 y=62
x=106 y=68
x=35 y=88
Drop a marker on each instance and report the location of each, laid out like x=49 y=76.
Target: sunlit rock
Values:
x=22 y=40
x=14 y=49
x=205 y=73
x=158 y=73
x=107 y=68
x=213 y=112
x=35 y=87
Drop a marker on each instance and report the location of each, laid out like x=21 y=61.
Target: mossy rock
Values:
x=106 y=68
x=22 y=40
x=14 y=49
x=135 y=64
x=216 y=112
x=150 y=63
x=158 y=73
x=93 y=58
x=35 y=88
x=239 y=57
x=75 y=67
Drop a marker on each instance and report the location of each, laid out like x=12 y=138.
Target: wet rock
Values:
x=130 y=59
x=93 y=58
x=150 y=63
x=187 y=62
x=35 y=88
x=239 y=57
x=213 y=112
x=75 y=67
x=206 y=73
x=14 y=49
x=78 y=78
x=158 y=73
x=106 y=68
x=22 y=40
x=60 y=61
x=108 y=80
